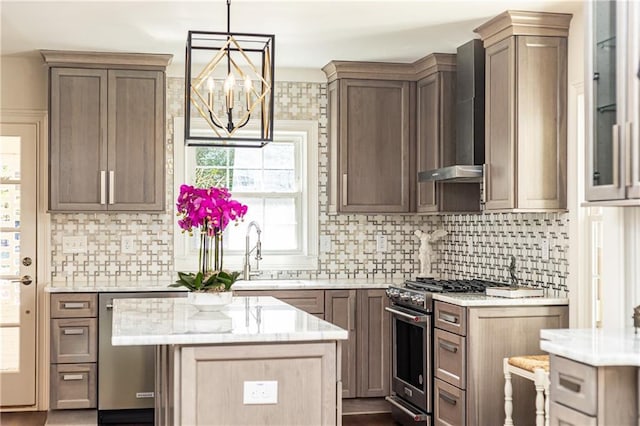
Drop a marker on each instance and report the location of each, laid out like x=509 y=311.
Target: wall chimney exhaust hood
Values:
x=469 y=119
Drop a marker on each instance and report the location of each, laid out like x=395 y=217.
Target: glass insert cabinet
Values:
x=613 y=93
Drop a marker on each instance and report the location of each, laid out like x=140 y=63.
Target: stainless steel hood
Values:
x=469 y=119
x=468 y=174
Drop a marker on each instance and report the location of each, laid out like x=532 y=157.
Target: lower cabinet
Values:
x=366 y=355
x=469 y=346
x=73 y=351
x=584 y=395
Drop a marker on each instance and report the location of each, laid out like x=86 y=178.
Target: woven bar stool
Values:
x=536 y=369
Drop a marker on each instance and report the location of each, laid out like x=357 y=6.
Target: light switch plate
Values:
x=74 y=245
x=264 y=392
x=545 y=249
x=381 y=243
x=325 y=243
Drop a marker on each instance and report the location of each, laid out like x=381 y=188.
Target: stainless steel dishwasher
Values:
x=125 y=373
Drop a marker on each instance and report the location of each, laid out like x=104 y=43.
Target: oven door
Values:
x=411 y=372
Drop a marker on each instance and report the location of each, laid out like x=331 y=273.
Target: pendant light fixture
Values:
x=229 y=83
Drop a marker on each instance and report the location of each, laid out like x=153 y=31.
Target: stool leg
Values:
x=508 y=394
x=546 y=399
x=539 y=384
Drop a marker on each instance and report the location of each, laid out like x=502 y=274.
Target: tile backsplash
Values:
x=493 y=237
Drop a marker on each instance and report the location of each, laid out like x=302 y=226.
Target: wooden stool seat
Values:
x=530 y=362
x=536 y=369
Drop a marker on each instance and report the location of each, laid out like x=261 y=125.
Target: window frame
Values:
x=307 y=258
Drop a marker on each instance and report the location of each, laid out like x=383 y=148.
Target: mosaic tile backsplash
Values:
x=476 y=246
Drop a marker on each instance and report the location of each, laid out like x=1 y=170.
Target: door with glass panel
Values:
x=17 y=263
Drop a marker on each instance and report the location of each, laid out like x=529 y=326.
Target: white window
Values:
x=279 y=184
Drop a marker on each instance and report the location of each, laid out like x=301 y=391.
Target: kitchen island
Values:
x=255 y=361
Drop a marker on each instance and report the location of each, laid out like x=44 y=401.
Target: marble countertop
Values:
x=479 y=299
x=594 y=346
x=173 y=321
x=122 y=285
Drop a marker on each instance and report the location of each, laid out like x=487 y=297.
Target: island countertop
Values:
x=174 y=321
x=594 y=346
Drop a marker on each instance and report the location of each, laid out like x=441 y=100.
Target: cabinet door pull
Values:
x=569 y=384
x=68 y=331
x=485 y=170
x=447 y=398
x=345 y=199
x=72 y=376
x=73 y=305
x=103 y=186
x=448 y=347
x=112 y=187
x=627 y=143
x=615 y=148
x=452 y=319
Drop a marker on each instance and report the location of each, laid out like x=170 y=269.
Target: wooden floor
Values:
x=39 y=418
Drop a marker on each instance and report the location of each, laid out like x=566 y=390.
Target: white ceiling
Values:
x=309 y=33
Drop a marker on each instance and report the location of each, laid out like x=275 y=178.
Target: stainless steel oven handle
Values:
x=418 y=417
x=413 y=318
x=448 y=347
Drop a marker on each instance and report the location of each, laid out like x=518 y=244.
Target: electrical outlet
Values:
x=128 y=244
x=260 y=392
x=545 y=249
x=325 y=243
x=381 y=243
x=74 y=245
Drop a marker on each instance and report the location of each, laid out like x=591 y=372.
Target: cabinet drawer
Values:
x=449 y=404
x=574 y=384
x=73 y=386
x=450 y=358
x=559 y=415
x=451 y=318
x=73 y=340
x=311 y=301
x=74 y=305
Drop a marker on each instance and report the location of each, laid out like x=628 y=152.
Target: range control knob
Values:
x=405 y=297
x=418 y=299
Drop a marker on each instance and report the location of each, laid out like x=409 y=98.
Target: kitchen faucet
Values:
x=247 y=252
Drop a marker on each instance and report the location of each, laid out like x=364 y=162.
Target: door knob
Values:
x=26 y=280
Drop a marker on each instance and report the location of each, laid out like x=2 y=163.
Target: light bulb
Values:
x=247 y=84
x=210 y=85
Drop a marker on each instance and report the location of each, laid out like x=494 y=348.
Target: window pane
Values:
x=9 y=253
x=234 y=236
x=211 y=156
x=279 y=181
x=279 y=156
x=279 y=237
x=208 y=177
x=247 y=180
x=10 y=344
x=279 y=211
x=248 y=158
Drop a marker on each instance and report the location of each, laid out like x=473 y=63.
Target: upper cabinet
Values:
x=370 y=116
x=526 y=111
x=107 y=121
x=613 y=98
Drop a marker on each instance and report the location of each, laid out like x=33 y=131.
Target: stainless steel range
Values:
x=412 y=360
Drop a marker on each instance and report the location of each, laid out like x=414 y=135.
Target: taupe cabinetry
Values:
x=73 y=350
x=613 y=102
x=435 y=137
x=366 y=354
x=582 y=394
x=468 y=353
x=526 y=111
x=369 y=126
x=106 y=132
